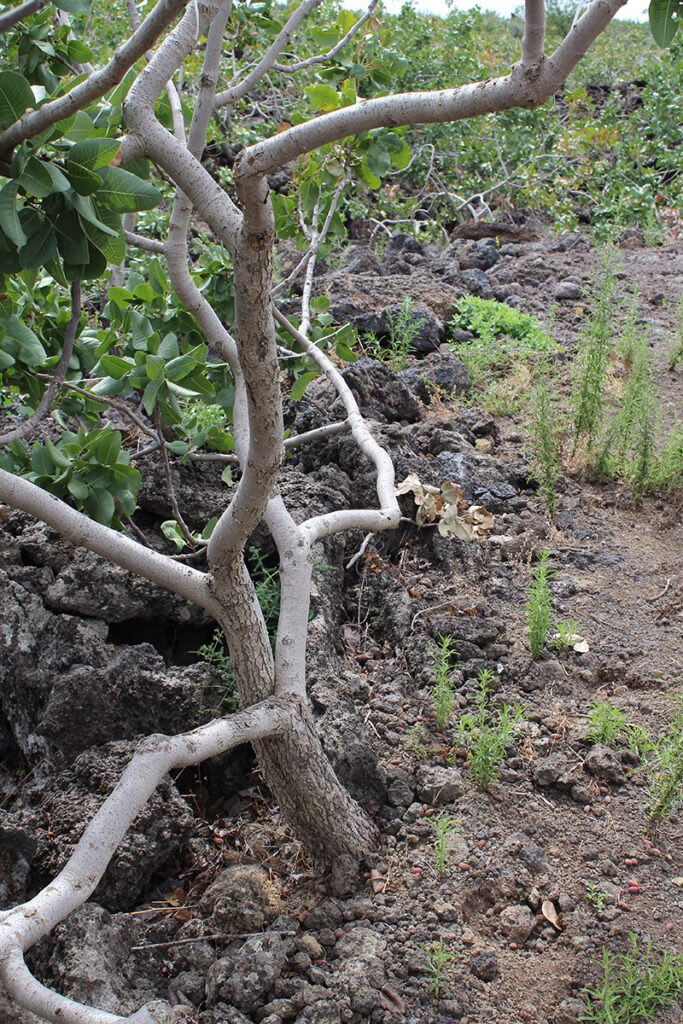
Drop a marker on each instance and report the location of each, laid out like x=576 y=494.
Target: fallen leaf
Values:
x=392 y=1001
x=550 y=914
x=4 y=514
x=377 y=881
x=678 y=882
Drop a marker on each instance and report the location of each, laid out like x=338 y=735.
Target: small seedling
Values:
x=635 y=985
x=438 y=966
x=403 y=329
x=486 y=735
x=444 y=826
x=565 y=635
x=545 y=433
x=415 y=744
x=442 y=694
x=665 y=760
x=606 y=724
x=592 y=364
x=538 y=606
x=596 y=897
x=215 y=654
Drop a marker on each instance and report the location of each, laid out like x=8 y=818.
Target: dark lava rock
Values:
x=379 y=392
x=549 y=770
x=485 y=966
x=242 y=979
x=239 y=900
x=478 y=256
x=477 y=283
x=17 y=850
x=400 y=242
x=344 y=875
x=69 y=800
x=439 y=372
x=436 y=785
x=603 y=762
x=567 y=290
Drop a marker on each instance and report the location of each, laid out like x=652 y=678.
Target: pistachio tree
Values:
x=191 y=350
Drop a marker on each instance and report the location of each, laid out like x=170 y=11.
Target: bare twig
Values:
x=10 y=18
x=321 y=57
x=651 y=600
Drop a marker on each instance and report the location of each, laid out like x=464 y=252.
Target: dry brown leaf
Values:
x=550 y=914
x=4 y=514
x=392 y=1001
x=678 y=882
x=377 y=880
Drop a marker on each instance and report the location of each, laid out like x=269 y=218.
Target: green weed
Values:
x=592 y=363
x=545 y=429
x=665 y=762
x=438 y=966
x=215 y=654
x=635 y=985
x=415 y=744
x=501 y=335
x=397 y=349
x=442 y=694
x=444 y=826
x=606 y=724
x=596 y=897
x=676 y=353
x=538 y=606
x=565 y=632
x=486 y=734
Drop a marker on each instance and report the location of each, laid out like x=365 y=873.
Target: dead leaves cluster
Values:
x=445 y=506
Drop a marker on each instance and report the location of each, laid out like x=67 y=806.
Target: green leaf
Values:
x=100 y=506
x=323 y=97
x=301 y=383
x=345 y=353
x=368 y=178
x=226 y=476
x=179 y=447
x=84 y=181
x=73 y=6
x=665 y=16
x=78 y=488
x=114 y=248
x=126 y=192
x=59 y=460
x=31 y=351
x=78 y=51
x=40 y=248
x=94 y=153
x=60 y=182
x=35 y=179
x=6 y=360
x=149 y=398
x=115 y=366
x=88 y=211
x=41 y=462
x=172 y=532
x=154 y=367
x=71 y=239
x=9 y=214
x=15 y=97
x=107 y=448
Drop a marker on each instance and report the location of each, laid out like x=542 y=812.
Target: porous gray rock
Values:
x=69 y=800
x=603 y=762
x=516 y=923
x=359 y=943
x=437 y=785
x=241 y=979
x=485 y=965
x=550 y=769
x=240 y=899
x=568 y=290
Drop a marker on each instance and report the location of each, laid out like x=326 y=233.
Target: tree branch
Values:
x=24 y=925
x=321 y=57
x=140 y=242
x=525 y=86
x=239 y=90
x=29 y=425
x=36 y=121
x=388 y=515
x=10 y=18
x=534 y=31
x=76 y=527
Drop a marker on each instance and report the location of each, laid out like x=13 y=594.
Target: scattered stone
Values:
x=243 y=978
x=240 y=900
x=567 y=290
x=517 y=923
x=485 y=965
x=437 y=785
x=603 y=762
x=549 y=770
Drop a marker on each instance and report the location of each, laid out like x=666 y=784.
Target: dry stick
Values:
x=170 y=489
x=223 y=936
x=651 y=600
x=29 y=425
